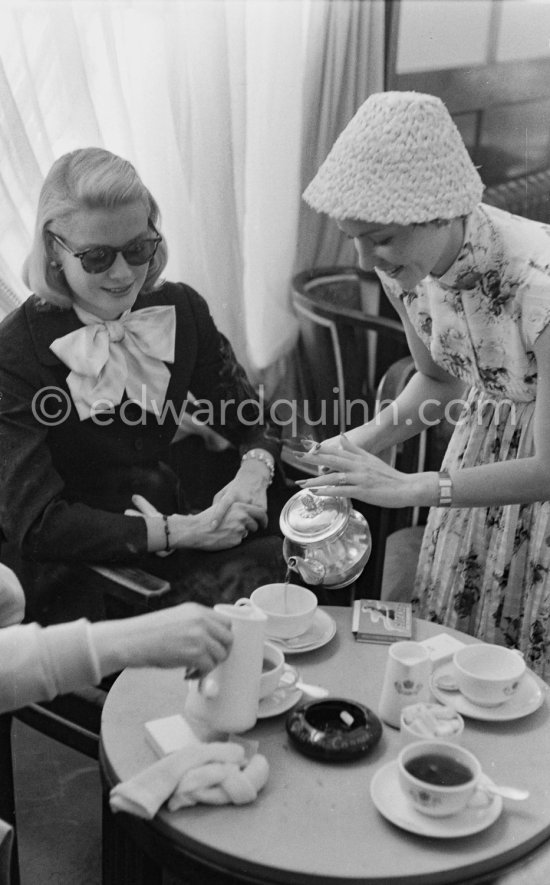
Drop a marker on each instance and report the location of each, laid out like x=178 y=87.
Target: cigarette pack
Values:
x=376 y=621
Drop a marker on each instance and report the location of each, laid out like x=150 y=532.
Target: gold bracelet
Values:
x=445 y=489
x=264 y=457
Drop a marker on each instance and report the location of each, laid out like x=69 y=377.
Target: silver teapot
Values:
x=326 y=541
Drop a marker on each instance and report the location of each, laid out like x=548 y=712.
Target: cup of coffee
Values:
x=289 y=608
x=488 y=675
x=272 y=669
x=438 y=778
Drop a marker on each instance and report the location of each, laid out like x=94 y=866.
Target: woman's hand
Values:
x=12 y=598
x=355 y=473
x=187 y=635
x=249 y=486
x=220 y=527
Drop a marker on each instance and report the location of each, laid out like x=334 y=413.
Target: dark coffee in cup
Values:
x=439 y=770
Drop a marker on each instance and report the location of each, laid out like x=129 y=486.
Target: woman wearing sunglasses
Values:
x=96 y=368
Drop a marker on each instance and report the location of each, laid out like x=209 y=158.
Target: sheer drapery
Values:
x=207 y=100
x=345 y=64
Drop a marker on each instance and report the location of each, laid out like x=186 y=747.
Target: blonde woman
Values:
x=96 y=370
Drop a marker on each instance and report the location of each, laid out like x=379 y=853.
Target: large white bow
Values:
x=108 y=357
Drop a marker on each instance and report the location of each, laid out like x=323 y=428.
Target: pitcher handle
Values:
x=244 y=601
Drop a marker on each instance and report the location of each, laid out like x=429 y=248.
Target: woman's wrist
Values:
x=259 y=463
x=425 y=489
x=166 y=533
x=108 y=639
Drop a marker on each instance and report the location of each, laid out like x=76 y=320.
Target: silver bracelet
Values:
x=264 y=457
x=445 y=489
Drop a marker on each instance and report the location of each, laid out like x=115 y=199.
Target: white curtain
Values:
x=206 y=98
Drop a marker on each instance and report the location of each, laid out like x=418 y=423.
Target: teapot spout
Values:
x=310 y=571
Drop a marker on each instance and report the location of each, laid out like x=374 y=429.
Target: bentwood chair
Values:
x=349 y=337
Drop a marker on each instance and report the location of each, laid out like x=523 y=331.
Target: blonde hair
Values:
x=88 y=178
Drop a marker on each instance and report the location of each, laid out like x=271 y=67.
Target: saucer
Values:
x=527 y=699
x=321 y=631
x=282 y=699
x=391 y=802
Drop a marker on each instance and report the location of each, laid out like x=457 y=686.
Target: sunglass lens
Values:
x=98 y=260
x=101 y=259
x=141 y=252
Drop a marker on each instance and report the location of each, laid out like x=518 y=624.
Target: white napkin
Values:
x=213 y=773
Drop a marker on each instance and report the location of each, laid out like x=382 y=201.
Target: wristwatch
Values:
x=445 y=489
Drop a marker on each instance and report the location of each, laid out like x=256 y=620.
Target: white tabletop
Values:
x=315 y=823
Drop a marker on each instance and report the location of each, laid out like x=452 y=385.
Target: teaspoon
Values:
x=505 y=792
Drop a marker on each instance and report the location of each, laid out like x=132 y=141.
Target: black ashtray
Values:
x=334 y=730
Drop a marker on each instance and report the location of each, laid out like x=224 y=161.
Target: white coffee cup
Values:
x=272 y=669
x=289 y=608
x=438 y=778
x=488 y=675
x=406 y=679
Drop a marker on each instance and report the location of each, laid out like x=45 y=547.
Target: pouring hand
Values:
x=356 y=473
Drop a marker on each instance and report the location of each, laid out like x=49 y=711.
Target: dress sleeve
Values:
x=34 y=514
x=38 y=663
x=534 y=294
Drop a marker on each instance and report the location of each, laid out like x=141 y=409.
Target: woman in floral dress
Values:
x=471 y=284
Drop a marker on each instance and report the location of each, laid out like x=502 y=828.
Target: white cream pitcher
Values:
x=406 y=679
x=226 y=700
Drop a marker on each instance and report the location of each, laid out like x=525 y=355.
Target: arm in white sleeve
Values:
x=37 y=663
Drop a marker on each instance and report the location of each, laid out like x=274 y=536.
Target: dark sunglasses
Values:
x=100 y=258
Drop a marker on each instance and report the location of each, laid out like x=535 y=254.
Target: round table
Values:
x=315 y=823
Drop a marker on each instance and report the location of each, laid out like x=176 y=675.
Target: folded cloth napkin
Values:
x=214 y=773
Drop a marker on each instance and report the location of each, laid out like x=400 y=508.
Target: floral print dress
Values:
x=486 y=570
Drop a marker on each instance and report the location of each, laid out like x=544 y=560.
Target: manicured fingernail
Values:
x=312 y=447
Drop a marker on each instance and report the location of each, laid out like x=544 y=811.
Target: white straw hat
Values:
x=400 y=160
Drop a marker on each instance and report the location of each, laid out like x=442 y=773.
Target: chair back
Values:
x=347 y=341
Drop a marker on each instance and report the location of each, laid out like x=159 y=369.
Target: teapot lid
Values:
x=307 y=518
